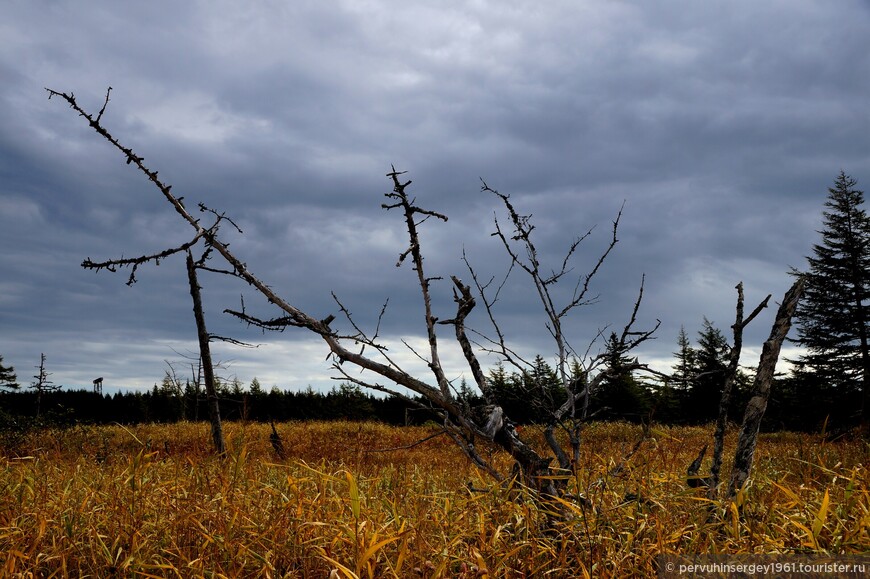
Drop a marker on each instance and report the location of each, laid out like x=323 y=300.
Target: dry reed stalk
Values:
x=330 y=508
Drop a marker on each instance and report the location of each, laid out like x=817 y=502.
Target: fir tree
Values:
x=832 y=318
x=685 y=367
x=620 y=394
x=708 y=373
x=256 y=389
x=541 y=390
x=7 y=376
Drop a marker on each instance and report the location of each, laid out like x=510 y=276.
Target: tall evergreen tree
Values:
x=669 y=397
x=684 y=368
x=833 y=316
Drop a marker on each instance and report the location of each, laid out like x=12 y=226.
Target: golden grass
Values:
x=151 y=501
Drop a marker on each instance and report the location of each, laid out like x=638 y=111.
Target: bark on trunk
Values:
x=214 y=414
x=730 y=379
x=865 y=368
x=761 y=389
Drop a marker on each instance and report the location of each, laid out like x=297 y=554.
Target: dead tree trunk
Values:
x=214 y=413
x=730 y=378
x=761 y=388
x=42 y=384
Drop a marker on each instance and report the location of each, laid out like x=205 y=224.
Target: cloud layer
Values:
x=718 y=125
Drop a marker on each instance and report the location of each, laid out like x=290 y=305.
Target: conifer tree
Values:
x=620 y=395
x=7 y=376
x=833 y=317
x=684 y=369
x=711 y=364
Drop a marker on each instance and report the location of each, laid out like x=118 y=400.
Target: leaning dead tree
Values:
x=761 y=388
x=470 y=428
x=756 y=406
x=730 y=378
x=202 y=235
x=204 y=338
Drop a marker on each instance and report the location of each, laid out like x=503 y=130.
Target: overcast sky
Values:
x=719 y=125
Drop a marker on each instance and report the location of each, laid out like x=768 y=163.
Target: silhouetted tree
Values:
x=708 y=373
x=620 y=395
x=684 y=368
x=834 y=317
x=41 y=384
x=255 y=388
x=8 y=379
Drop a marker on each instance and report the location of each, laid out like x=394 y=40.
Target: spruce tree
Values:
x=620 y=395
x=7 y=376
x=832 y=318
x=709 y=372
x=541 y=391
x=684 y=369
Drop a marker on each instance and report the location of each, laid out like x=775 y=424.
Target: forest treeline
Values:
x=690 y=398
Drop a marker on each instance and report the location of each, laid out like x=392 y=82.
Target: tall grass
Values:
x=152 y=501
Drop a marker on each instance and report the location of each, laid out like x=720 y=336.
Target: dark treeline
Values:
x=691 y=396
x=165 y=405
x=796 y=403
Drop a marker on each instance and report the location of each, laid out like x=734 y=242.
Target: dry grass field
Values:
x=152 y=501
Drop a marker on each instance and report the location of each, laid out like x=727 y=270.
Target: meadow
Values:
x=353 y=499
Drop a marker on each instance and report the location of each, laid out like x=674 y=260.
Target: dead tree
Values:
x=571 y=414
x=41 y=384
x=730 y=379
x=214 y=412
x=756 y=406
x=202 y=235
x=357 y=348
x=204 y=338
x=761 y=388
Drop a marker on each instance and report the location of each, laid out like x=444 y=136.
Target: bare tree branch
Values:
x=408 y=446
x=410 y=211
x=105 y=104
x=113 y=264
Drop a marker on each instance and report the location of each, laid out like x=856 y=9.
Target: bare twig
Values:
x=113 y=264
x=408 y=446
